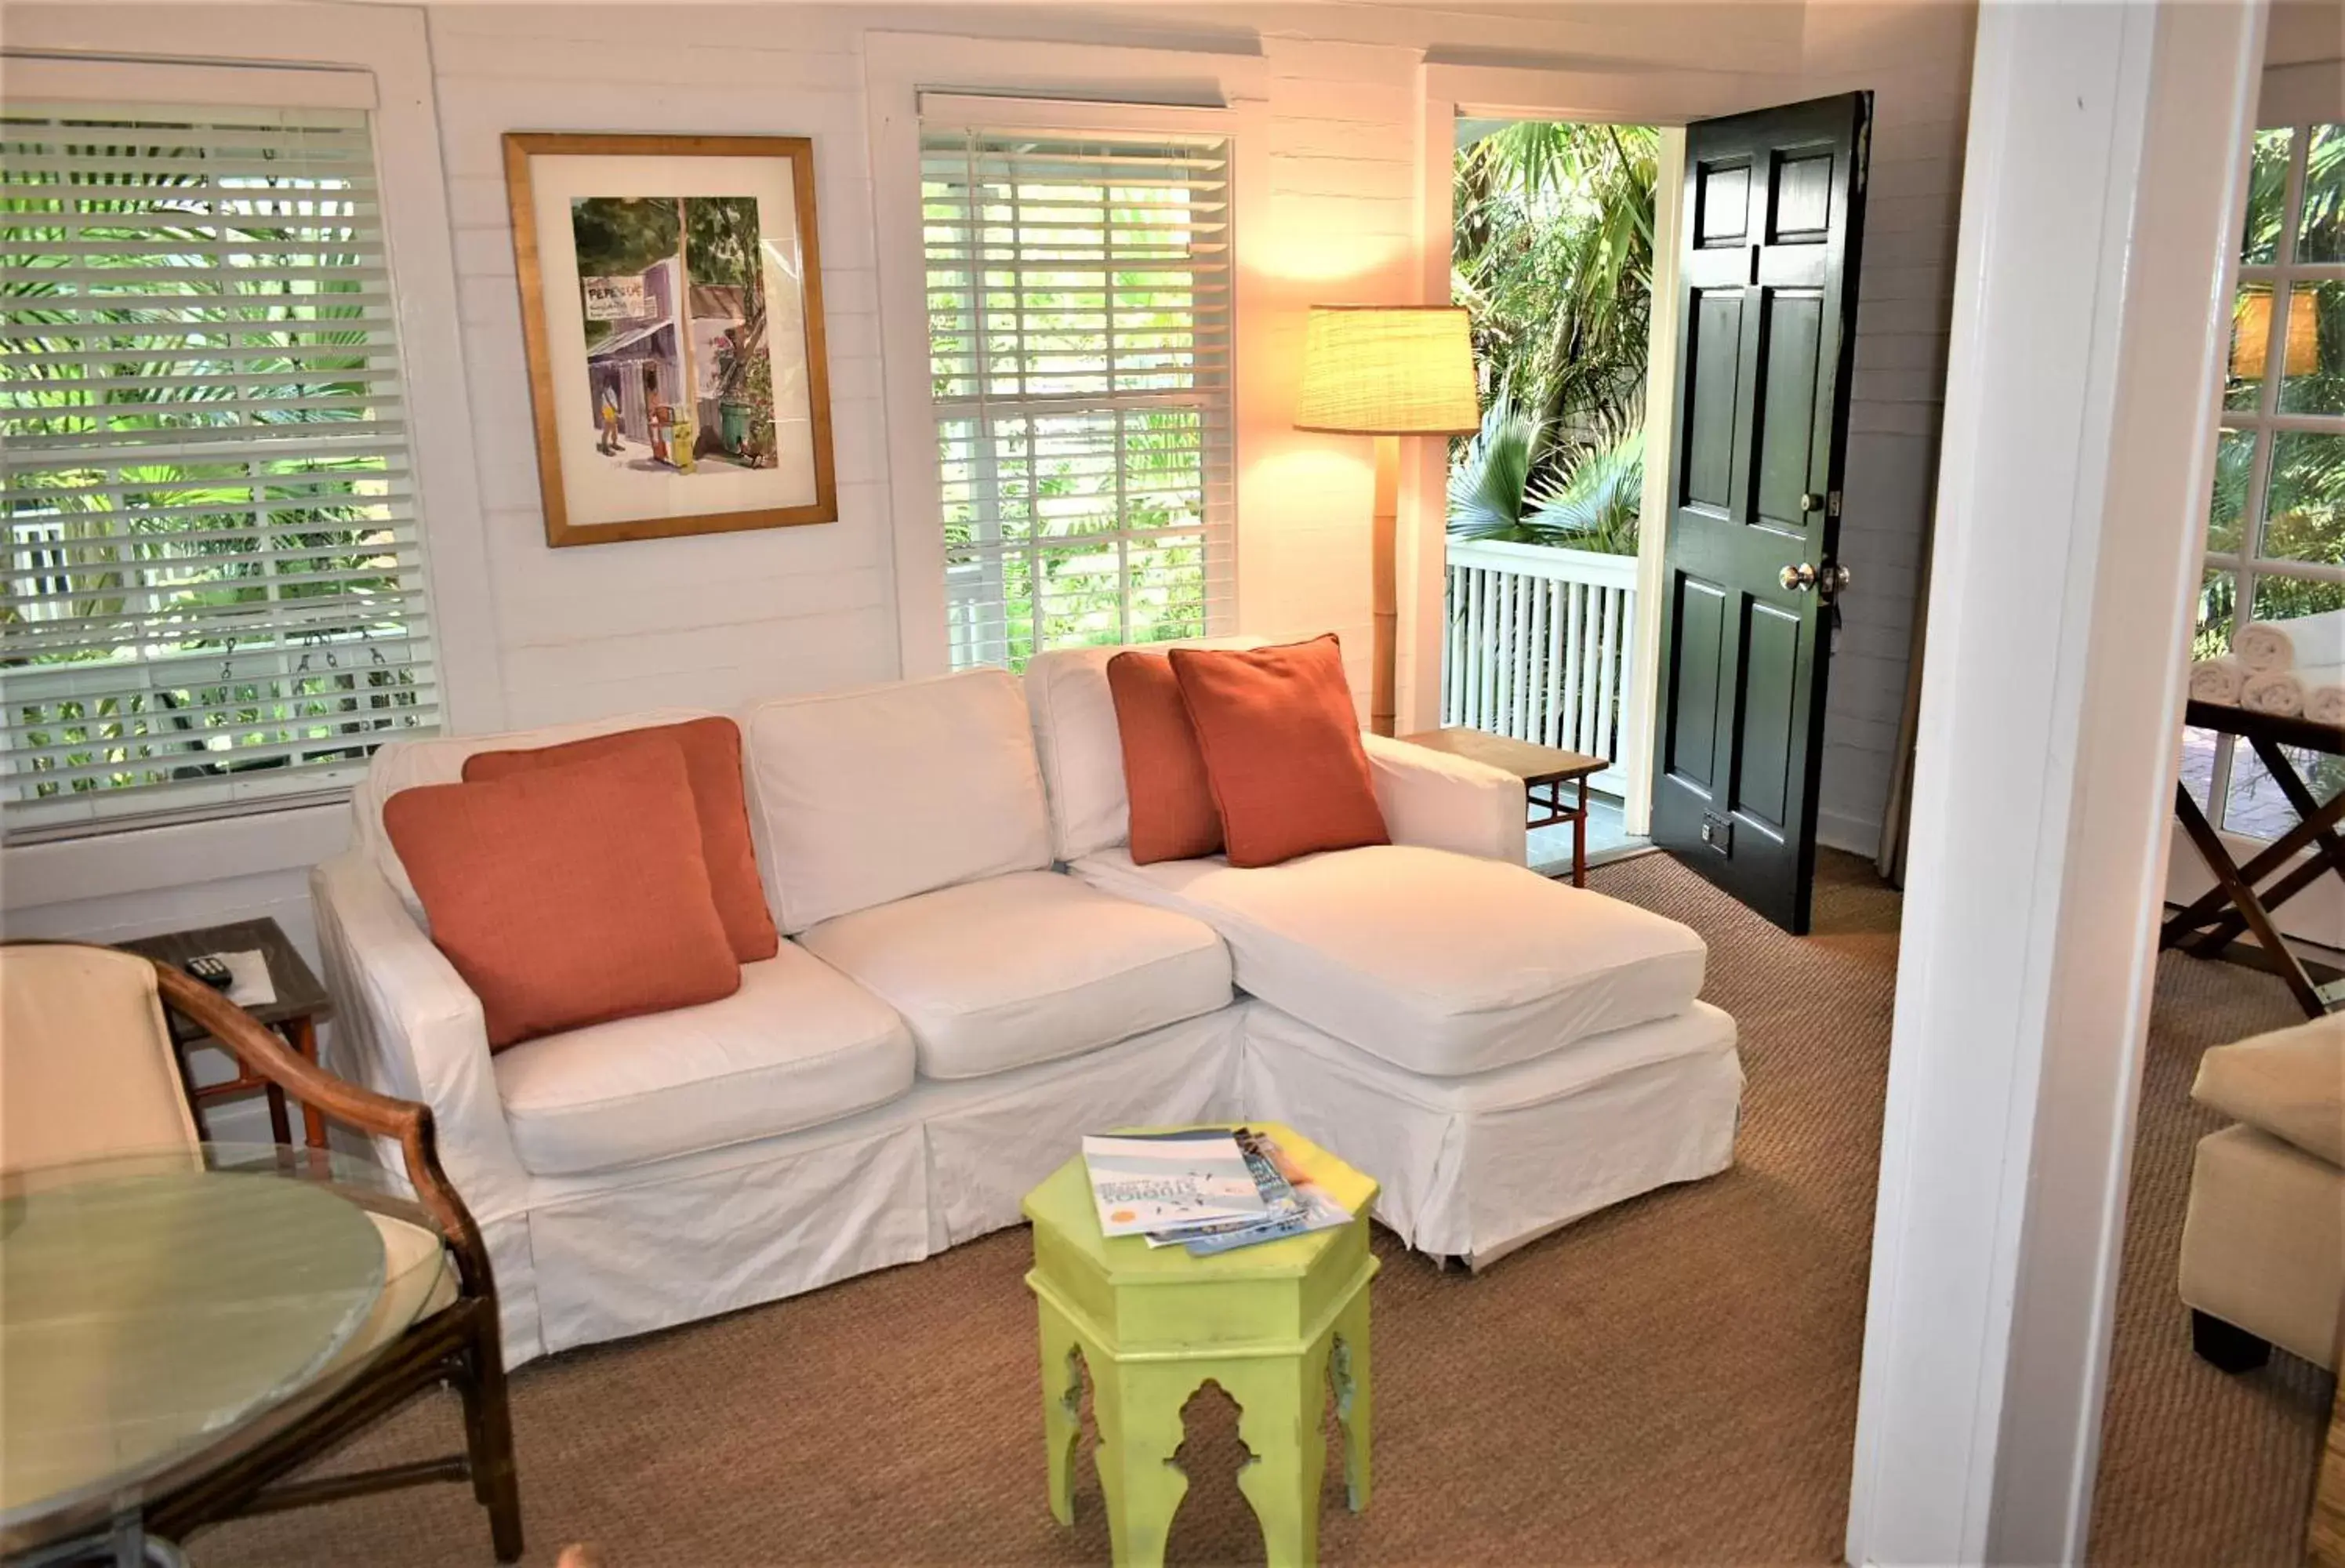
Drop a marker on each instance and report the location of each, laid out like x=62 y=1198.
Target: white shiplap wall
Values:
x=721 y=620
x=1915 y=57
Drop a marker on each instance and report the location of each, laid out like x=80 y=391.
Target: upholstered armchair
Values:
x=87 y=1069
x=2263 y=1245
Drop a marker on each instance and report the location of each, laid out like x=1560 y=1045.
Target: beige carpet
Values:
x=1673 y=1380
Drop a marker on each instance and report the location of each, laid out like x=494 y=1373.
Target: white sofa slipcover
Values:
x=1439 y=963
x=958 y=1014
x=1025 y=968
x=862 y=797
x=798 y=1044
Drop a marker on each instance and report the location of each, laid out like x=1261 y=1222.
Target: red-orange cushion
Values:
x=1282 y=747
x=571 y=896
x=1173 y=813
x=711 y=761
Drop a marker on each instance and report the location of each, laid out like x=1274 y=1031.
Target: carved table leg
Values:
x=1138 y=1408
x=1062 y=1408
x=1279 y=1403
x=1347 y=1371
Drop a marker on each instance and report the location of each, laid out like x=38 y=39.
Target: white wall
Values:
x=1916 y=59
x=720 y=619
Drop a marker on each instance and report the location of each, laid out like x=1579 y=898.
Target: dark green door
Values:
x=1766 y=327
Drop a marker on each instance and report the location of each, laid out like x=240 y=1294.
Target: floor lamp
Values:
x=1387 y=371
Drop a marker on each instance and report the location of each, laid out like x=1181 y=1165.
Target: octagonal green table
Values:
x=1273 y=1325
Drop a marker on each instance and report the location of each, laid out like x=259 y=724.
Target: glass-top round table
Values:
x=155 y=1307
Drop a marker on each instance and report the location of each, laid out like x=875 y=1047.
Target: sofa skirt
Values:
x=1474 y=1166
x=607 y=1254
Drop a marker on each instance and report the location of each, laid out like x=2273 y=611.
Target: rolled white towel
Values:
x=2324 y=695
x=2263 y=645
x=2276 y=692
x=2218 y=679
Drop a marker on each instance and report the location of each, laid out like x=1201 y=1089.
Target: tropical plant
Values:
x=1553 y=254
x=1592 y=505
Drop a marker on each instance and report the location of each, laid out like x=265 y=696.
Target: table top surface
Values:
x=158 y=1303
x=299 y=993
x=2279 y=728
x=1063 y=1205
x=1527 y=760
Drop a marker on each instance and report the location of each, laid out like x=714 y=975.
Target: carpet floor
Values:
x=1673 y=1380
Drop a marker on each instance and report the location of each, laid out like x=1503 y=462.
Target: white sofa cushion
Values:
x=440 y=759
x=1440 y=962
x=860 y=798
x=1025 y=968
x=798 y=1044
x=1081 y=751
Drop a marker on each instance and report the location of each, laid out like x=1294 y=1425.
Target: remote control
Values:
x=212 y=972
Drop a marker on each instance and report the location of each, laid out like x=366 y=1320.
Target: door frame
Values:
x=1451 y=92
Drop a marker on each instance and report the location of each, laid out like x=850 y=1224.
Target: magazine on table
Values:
x=1209 y=1190
x=1157 y=1182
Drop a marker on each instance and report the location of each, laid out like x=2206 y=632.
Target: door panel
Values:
x=1767 y=311
x=1717 y=366
x=1788 y=375
x=1689 y=746
x=1770 y=658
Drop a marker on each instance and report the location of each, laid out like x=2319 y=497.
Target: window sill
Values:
x=151 y=859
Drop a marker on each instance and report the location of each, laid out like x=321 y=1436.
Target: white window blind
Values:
x=214 y=588
x=1079 y=293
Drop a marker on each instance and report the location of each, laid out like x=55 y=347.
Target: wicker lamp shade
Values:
x=1388 y=371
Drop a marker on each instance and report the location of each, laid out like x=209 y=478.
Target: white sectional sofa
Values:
x=975 y=974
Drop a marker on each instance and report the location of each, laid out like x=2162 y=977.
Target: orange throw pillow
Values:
x=1173 y=813
x=571 y=896
x=1282 y=747
x=711 y=761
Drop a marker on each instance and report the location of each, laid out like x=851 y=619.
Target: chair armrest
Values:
x=410 y=1027
x=406 y=1123
x=2290 y=1083
x=1444 y=802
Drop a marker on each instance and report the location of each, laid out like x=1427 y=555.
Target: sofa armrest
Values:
x=406 y=1025
x=2290 y=1083
x=1443 y=801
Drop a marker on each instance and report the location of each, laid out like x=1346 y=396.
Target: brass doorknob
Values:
x=1799 y=578
x=1810 y=501
x=1833 y=581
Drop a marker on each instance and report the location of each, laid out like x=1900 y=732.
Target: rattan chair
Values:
x=87 y=1069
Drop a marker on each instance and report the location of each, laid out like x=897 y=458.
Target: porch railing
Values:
x=1539 y=647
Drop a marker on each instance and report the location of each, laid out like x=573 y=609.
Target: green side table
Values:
x=1271 y=1324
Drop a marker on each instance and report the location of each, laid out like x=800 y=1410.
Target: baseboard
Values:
x=1857 y=835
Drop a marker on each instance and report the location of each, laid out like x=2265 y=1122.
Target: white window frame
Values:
x=1056 y=87
x=2265 y=423
x=184 y=51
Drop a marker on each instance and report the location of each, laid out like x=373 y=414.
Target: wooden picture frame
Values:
x=671 y=396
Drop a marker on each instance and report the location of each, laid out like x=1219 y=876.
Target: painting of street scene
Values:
x=679 y=380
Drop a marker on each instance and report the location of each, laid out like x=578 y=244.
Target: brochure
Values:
x=1211 y=1190
x=1148 y=1182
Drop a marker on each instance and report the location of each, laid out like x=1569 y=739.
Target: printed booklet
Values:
x=1211 y=1190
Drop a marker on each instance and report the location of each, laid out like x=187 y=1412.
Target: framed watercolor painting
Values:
x=671 y=294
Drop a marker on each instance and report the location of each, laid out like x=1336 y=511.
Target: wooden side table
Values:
x=1538 y=767
x=301 y=1003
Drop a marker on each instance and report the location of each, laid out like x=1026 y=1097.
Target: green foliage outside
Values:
x=1553 y=254
x=1049 y=509
x=2303 y=511
x=148 y=563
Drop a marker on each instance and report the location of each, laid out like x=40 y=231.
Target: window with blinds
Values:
x=1080 y=293
x=215 y=583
